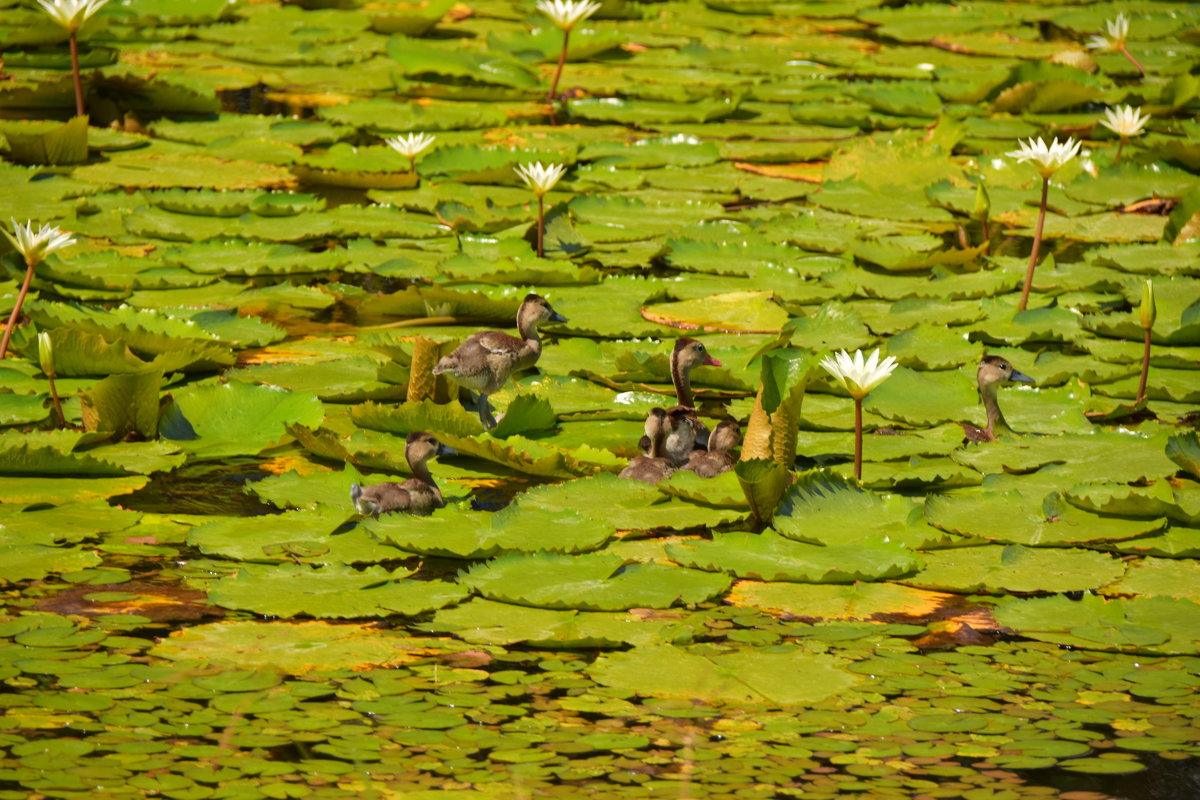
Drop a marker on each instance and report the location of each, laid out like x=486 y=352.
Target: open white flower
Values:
x=411 y=145
x=567 y=13
x=541 y=179
x=71 y=14
x=858 y=377
x=1047 y=158
x=35 y=246
x=1118 y=33
x=1124 y=121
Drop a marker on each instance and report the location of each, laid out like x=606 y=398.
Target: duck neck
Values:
x=683 y=383
x=421 y=471
x=527 y=327
x=656 y=443
x=991 y=405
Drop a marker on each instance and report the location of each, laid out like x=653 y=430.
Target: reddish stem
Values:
x=987 y=234
x=79 y=109
x=541 y=225
x=1125 y=52
x=62 y=420
x=858 y=439
x=16 y=312
x=1120 y=147
x=1141 y=393
x=562 y=59
x=1037 y=245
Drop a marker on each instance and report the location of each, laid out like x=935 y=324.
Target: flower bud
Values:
x=983 y=203
x=46 y=354
x=1149 y=311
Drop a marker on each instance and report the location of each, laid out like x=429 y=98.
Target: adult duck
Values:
x=686 y=355
x=719 y=456
x=418 y=495
x=484 y=362
x=993 y=372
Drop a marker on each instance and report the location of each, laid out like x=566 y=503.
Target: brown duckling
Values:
x=486 y=359
x=993 y=371
x=683 y=429
x=655 y=466
x=419 y=495
x=719 y=456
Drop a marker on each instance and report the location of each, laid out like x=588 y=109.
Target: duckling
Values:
x=683 y=429
x=486 y=359
x=419 y=495
x=654 y=467
x=687 y=354
x=993 y=371
x=719 y=456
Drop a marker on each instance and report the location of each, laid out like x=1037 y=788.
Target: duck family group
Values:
x=675 y=438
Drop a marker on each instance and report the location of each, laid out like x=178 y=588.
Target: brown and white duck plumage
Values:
x=719 y=456
x=418 y=495
x=484 y=362
x=686 y=355
x=993 y=372
x=654 y=466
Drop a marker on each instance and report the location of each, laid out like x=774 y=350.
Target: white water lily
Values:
x=1046 y=158
x=566 y=14
x=539 y=178
x=35 y=246
x=1118 y=33
x=71 y=14
x=1125 y=121
x=411 y=145
x=856 y=375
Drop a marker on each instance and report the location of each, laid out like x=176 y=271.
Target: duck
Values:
x=719 y=456
x=419 y=495
x=993 y=371
x=654 y=466
x=686 y=355
x=683 y=431
x=484 y=362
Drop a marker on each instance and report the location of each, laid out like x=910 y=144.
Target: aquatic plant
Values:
x=540 y=179
x=71 y=14
x=34 y=247
x=859 y=377
x=1047 y=159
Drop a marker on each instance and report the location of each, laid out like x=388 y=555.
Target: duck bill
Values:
x=443 y=450
x=712 y=362
x=1020 y=377
x=557 y=317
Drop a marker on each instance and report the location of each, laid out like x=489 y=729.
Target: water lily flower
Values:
x=858 y=377
x=46 y=360
x=1147 y=314
x=34 y=247
x=1118 y=33
x=1126 y=122
x=410 y=146
x=1115 y=42
x=541 y=179
x=71 y=14
x=1047 y=159
x=566 y=14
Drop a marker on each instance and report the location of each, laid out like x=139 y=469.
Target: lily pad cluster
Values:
x=260 y=286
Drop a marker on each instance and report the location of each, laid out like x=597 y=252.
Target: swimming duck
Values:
x=993 y=371
x=419 y=495
x=687 y=354
x=719 y=456
x=655 y=466
x=486 y=359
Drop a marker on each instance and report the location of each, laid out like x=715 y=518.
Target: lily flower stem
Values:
x=541 y=228
x=1120 y=147
x=62 y=420
x=987 y=235
x=858 y=436
x=79 y=109
x=16 y=312
x=1037 y=245
x=1141 y=392
x=562 y=60
x=1125 y=52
